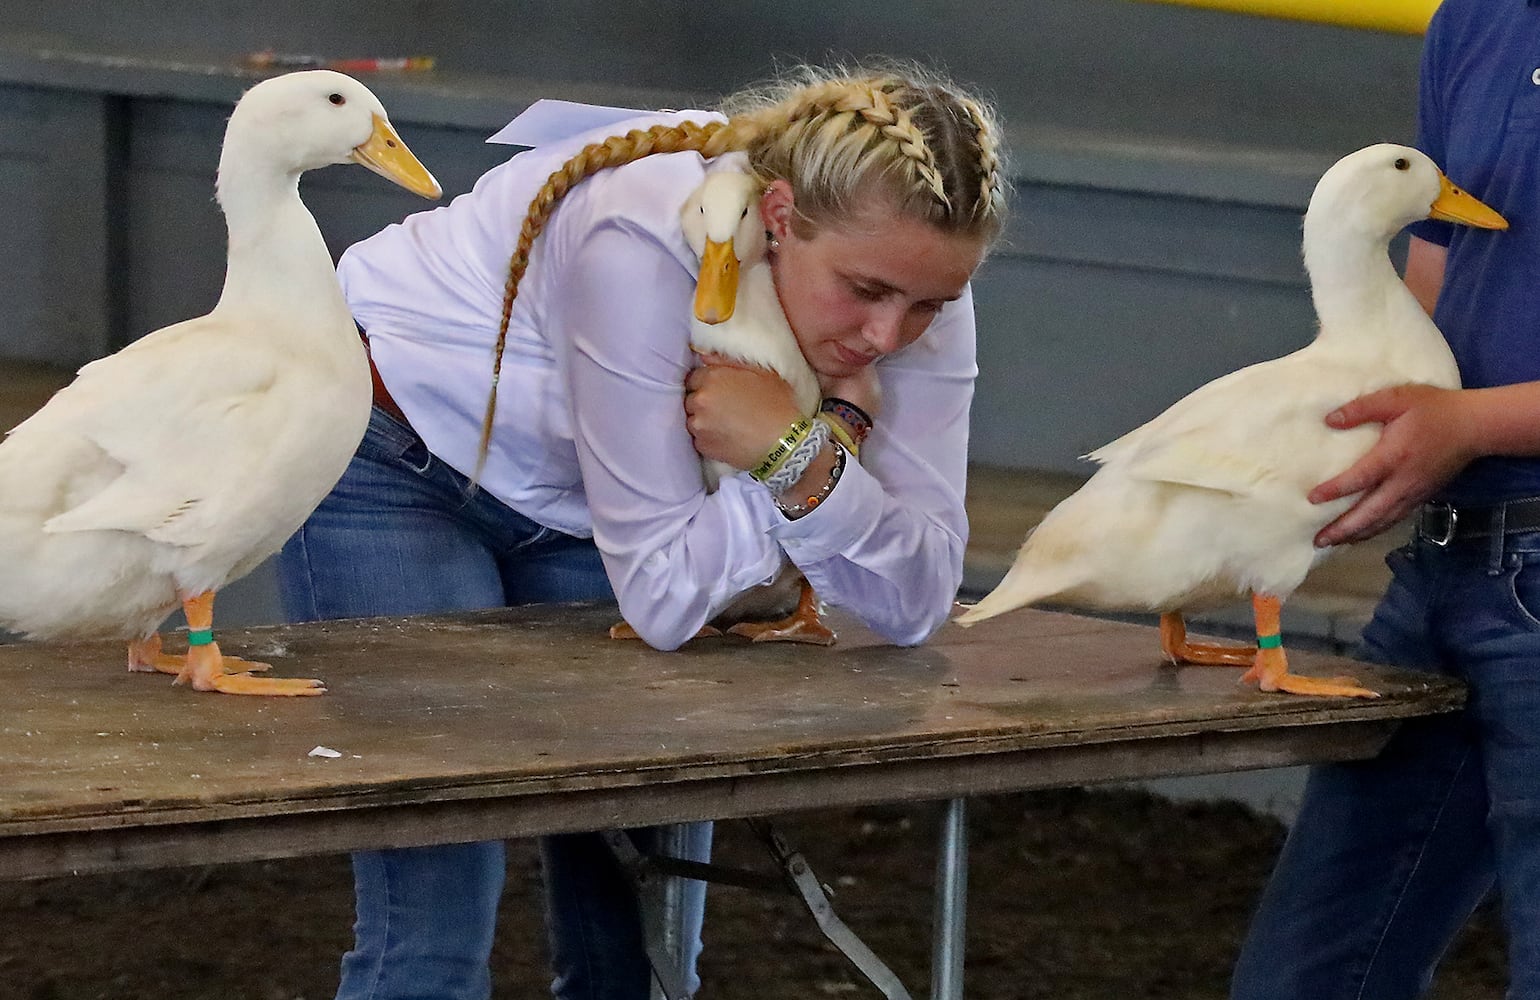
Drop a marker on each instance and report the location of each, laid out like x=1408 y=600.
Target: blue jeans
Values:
x=1388 y=857
x=398 y=536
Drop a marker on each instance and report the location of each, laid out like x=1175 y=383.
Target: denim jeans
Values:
x=398 y=536
x=1388 y=857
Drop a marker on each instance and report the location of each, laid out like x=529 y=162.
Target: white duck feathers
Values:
x=722 y=226
x=1207 y=501
x=761 y=337
x=243 y=390
x=1200 y=442
x=185 y=459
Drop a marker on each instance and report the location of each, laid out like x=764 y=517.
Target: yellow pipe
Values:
x=1406 y=16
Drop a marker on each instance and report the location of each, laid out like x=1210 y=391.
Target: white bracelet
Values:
x=796 y=464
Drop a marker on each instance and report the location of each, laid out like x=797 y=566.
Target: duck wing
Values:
x=1240 y=433
x=179 y=417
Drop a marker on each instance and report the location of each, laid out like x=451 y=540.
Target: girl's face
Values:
x=857 y=291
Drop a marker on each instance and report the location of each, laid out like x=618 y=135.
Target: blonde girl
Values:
x=882 y=190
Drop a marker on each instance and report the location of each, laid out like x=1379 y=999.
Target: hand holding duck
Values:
x=1423 y=445
x=735 y=412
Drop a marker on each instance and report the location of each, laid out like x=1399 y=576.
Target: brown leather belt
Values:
x=1442 y=524
x=382 y=397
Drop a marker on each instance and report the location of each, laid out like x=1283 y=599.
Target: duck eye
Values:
x=338 y=99
x=1403 y=163
x=745 y=214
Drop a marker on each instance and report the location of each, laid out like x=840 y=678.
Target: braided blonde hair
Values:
x=840 y=137
x=843 y=137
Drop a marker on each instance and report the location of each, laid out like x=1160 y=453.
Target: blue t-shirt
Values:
x=1479 y=119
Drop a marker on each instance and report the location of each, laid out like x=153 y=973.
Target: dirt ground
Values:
x=1074 y=895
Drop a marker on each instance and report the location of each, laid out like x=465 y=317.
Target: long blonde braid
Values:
x=827 y=127
x=611 y=152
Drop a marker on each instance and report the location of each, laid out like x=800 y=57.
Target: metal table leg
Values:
x=654 y=892
x=660 y=879
x=808 y=886
x=949 y=925
x=667 y=910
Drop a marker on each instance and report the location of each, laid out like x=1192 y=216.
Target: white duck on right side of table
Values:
x=1206 y=503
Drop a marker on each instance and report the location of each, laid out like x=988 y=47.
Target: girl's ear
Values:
x=777 y=208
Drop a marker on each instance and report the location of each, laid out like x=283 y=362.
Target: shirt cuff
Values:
x=836 y=526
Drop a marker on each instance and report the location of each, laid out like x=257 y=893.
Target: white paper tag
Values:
x=549 y=120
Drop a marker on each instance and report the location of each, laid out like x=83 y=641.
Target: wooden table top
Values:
x=513 y=722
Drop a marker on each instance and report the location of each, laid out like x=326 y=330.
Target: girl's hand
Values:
x=735 y=413
x=1427 y=439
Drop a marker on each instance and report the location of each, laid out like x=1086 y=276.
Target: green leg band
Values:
x=1269 y=641
x=200 y=636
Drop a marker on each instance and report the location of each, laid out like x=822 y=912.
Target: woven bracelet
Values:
x=801 y=457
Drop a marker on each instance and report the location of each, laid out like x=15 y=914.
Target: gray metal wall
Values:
x=1162 y=157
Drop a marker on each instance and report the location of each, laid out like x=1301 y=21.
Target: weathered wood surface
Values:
x=509 y=723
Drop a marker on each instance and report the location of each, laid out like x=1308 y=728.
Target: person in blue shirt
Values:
x=1388 y=858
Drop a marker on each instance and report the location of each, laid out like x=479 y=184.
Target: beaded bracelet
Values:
x=859 y=420
x=792 y=511
x=782 y=449
x=795 y=466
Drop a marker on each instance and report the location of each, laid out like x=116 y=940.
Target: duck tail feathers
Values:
x=1026 y=583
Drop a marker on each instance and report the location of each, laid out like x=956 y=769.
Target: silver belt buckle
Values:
x=1430 y=511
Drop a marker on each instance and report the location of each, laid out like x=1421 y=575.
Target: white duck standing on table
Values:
x=1207 y=502
x=737 y=315
x=176 y=465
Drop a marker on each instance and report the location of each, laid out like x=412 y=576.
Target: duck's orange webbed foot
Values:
x=205 y=669
x=1174 y=644
x=803 y=625
x=1270 y=671
x=145 y=656
x=236 y=665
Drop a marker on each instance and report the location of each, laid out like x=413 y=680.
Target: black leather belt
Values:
x=1441 y=523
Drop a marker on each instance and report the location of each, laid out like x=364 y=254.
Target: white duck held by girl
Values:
x=178 y=464
x=1207 y=503
x=737 y=315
